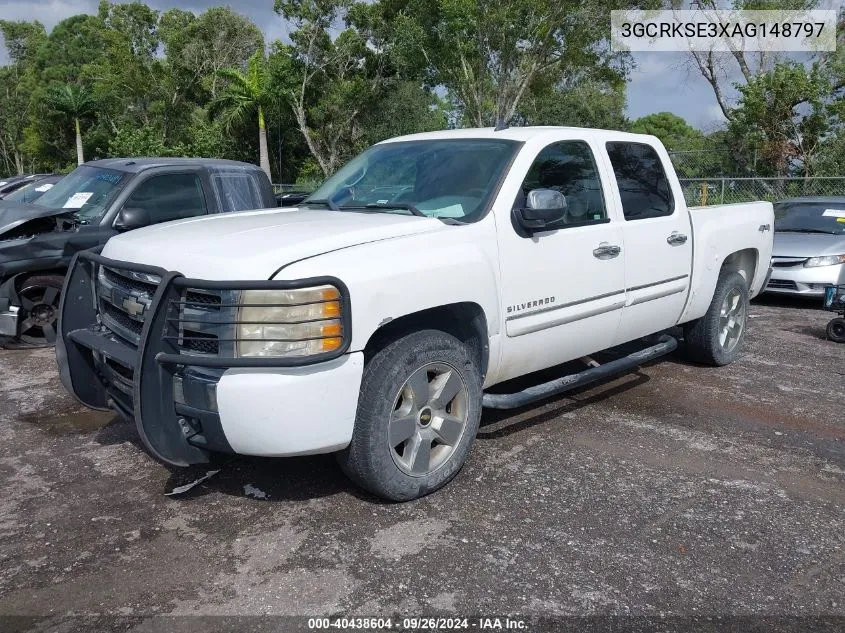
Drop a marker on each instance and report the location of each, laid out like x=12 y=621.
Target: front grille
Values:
x=122 y=319
x=209 y=301
x=125 y=298
x=148 y=288
x=788 y=262
x=782 y=284
x=126 y=282
x=200 y=342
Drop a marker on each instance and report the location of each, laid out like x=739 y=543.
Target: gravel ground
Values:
x=676 y=490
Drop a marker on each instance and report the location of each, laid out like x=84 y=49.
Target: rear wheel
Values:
x=39 y=312
x=836 y=330
x=718 y=336
x=418 y=413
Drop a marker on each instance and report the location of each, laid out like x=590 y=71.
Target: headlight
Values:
x=301 y=322
x=826 y=260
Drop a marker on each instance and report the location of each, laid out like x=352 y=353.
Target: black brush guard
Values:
x=105 y=372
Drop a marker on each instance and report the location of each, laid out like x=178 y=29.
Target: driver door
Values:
x=563 y=287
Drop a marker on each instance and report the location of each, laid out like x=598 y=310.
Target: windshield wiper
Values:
x=393 y=205
x=806 y=231
x=329 y=203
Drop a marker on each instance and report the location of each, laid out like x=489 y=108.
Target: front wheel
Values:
x=39 y=312
x=418 y=414
x=836 y=330
x=718 y=336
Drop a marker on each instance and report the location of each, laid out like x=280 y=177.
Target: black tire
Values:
x=370 y=460
x=37 y=320
x=836 y=330
x=703 y=336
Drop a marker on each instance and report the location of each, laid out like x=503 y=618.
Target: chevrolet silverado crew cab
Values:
x=91 y=204
x=375 y=319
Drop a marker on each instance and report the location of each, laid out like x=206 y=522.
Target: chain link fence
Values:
x=701 y=163
x=705 y=176
x=704 y=191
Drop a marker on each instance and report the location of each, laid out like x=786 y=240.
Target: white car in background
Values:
x=809 y=249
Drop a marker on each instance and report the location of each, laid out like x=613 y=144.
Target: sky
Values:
x=660 y=83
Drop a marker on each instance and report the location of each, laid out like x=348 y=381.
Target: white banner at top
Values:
x=723 y=30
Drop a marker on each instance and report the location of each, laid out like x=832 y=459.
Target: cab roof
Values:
x=524 y=134
x=135 y=165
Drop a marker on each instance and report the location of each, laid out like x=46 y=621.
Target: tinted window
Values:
x=643 y=185
x=569 y=167
x=237 y=192
x=169 y=197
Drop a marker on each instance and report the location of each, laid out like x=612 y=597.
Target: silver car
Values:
x=809 y=250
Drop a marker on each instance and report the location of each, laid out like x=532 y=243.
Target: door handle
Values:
x=605 y=250
x=676 y=239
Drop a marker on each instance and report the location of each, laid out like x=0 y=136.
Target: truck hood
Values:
x=255 y=244
x=807 y=244
x=13 y=214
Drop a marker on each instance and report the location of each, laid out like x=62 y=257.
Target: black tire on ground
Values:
x=39 y=296
x=717 y=337
x=432 y=364
x=836 y=330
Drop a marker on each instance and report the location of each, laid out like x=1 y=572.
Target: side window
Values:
x=169 y=197
x=643 y=185
x=568 y=167
x=237 y=191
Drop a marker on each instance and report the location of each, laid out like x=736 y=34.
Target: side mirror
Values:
x=131 y=218
x=542 y=207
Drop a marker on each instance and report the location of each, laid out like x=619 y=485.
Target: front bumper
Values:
x=9 y=322
x=8 y=309
x=186 y=405
x=810 y=282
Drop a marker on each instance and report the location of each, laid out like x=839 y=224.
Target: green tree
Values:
x=587 y=103
x=787 y=115
x=673 y=131
x=246 y=93
x=17 y=83
x=326 y=81
x=75 y=102
x=488 y=54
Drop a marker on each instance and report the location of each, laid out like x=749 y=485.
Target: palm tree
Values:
x=246 y=93
x=75 y=102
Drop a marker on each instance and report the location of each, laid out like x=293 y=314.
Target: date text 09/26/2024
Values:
x=418 y=624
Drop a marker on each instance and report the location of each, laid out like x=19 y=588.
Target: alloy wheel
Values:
x=428 y=420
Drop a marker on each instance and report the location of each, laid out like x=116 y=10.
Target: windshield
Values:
x=86 y=192
x=444 y=178
x=810 y=217
x=31 y=192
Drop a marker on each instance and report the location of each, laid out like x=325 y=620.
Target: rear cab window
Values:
x=237 y=191
x=643 y=186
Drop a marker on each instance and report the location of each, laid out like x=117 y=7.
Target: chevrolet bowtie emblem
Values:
x=133 y=307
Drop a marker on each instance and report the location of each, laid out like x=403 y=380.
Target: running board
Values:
x=665 y=345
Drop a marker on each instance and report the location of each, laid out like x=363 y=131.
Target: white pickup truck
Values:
x=372 y=320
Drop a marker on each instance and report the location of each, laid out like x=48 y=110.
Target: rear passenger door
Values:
x=658 y=239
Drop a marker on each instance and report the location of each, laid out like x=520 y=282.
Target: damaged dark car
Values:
x=90 y=205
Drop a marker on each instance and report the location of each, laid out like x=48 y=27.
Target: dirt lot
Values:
x=676 y=490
